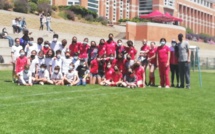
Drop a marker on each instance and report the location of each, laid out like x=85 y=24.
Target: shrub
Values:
x=70 y=15
x=89 y=17
x=54 y=8
x=33 y=7
x=63 y=8
x=2 y=4
x=188 y=30
x=21 y=6
x=103 y=20
x=34 y=1
x=44 y=7
x=83 y=11
x=7 y=5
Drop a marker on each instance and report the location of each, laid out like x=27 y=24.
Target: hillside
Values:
x=59 y=25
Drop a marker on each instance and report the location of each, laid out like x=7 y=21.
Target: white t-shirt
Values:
x=41 y=61
x=58 y=76
x=71 y=75
x=63 y=50
x=25 y=77
x=57 y=62
x=29 y=49
x=38 y=47
x=48 y=62
x=33 y=64
x=15 y=50
x=45 y=74
x=55 y=45
x=76 y=63
x=65 y=65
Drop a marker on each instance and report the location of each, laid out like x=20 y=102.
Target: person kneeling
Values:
x=130 y=79
x=43 y=76
x=116 y=77
x=57 y=77
x=25 y=77
x=71 y=78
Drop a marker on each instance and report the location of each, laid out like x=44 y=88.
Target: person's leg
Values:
x=172 y=74
x=161 y=70
x=181 y=72
x=99 y=79
x=91 y=78
x=187 y=75
x=177 y=74
x=167 y=81
x=94 y=79
x=80 y=82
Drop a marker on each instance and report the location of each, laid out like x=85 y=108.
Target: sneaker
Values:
x=128 y=86
x=41 y=83
x=159 y=86
x=172 y=85
x=177 y=86
x=187 y=87
x=166 y=86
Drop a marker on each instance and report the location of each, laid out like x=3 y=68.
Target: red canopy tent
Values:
x=157 y=16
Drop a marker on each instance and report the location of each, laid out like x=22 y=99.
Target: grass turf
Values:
x=98 y=110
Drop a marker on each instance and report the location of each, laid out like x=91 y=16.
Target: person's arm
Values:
x=157 y=59
x=188 y=53
x=30 y=80
x=168 y=60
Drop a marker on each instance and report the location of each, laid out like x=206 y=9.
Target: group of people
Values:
x=45 y=20
x=107 y=63
x=18 y=24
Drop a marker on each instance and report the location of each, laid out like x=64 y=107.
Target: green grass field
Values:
x=107 y=110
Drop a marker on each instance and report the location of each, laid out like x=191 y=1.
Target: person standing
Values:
x=163 y=58
x=184 y=61
x=174 y=64
x=48 y=22
x=41 y=20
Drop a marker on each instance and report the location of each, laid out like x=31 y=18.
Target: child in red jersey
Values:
x=152 y=63
x=83 y=48
x=21 y=61
x=74 y=46
x=140 y=74
x=163 y=58
x=101 y=48
x=46 y=47
x=94 y=70
x=108 y=75
x=110 y=45
x=116 y=77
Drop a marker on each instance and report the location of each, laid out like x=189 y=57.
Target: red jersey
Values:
x=45 y=50
x=116 y=76
x=94 y=66
x=145 y=48
x=121 y=65
x=139 y=73
x=83 y=50
x=151 y=53
x=74 y=48
x=108 y=73
x=162 y=52
x=20 y=63
x=132 y=52
x=110 y=48
x=173 y=58
x=101 y=50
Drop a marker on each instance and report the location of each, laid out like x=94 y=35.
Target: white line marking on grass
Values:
x=62 y=99
x=48 y=93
